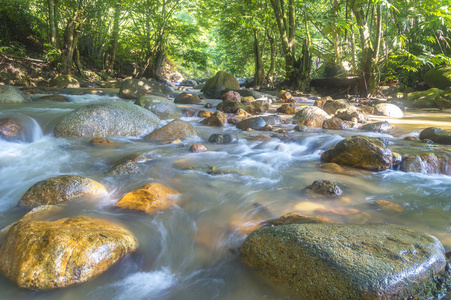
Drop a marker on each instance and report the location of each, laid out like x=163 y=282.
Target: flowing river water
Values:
x=190 y=250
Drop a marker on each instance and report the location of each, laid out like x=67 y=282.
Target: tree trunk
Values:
x=272 y=48
x=53 y=33
x=77 y=62
x=259 y=76
x=110 y=55
x=70 y=42
x=369 y=58
x=336 y=36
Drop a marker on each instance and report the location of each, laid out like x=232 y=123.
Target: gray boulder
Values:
x=217 y=85
x=436 y=135
x=187 y=98
x=176 y=129
x=106 y=120
x=11 y=94
x=252 y=123
x=247 y=93
x=134 y=88
x=311 y=116
x=163 y=108
x=337 y=261
x=331 y=107
x=388 y=110
x=377 y=127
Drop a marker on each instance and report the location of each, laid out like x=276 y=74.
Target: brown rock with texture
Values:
x=335 y=124
x=231 y=96
x=53 y=254
x=150 y=198
x=11 y=129
x=311 y=116
x=60 y=189
x=176 y=129
x=360 y=152
x=216 y=119
x=198 y=148
x=428 y=163
x=289 y=109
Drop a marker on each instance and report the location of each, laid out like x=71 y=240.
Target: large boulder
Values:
x=65 y=81
x=11 y=129
x=61 y=189
x=231 y=96
x=439 y=77
x=163 y=108
x=257 y=107
x=134 y=88
x=388 y=110
x=432 y=98
x=252 y=123
x=176 y=129
x=187 y=98
x=360 y=152
x=331 y=107
x=377 y=127
x=150 y=198
x=311 y=116
x=107 y=119
x=436 y=135
x=11 y=94
x=217 y=85
x=335 y=123
x=53 y=254
x=428 y=163
x=337 y=261
x=351 y=113
x=230 y=106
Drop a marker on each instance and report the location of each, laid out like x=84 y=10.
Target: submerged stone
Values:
x=336 y=261
x=60 y=189
x=326 y=188
x=53 y=254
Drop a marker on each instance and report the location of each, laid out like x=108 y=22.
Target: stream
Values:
x=190 y=250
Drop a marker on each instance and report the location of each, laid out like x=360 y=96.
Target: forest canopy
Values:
x=288 y=41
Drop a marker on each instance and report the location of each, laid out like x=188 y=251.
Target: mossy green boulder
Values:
x=107 y=120
x=65 y=81
x=436 y=135
x=61 y=189
x=439 y=77
x=53 y=254
x=218 y=84
x=338 y=261
x=361 y=152
x=162 y=107
x=432 y=98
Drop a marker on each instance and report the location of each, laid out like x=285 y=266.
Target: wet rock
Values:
x=242 y=113
x=11 y=94
x=286 y=97
x=326 y=188
x=176 y=129
x=107 y=119
x=231 y=96
x=332 y=168
x=397 y=159
x=273 y=120
x=11 y=129
x=127 y=167
x=189 y=82
x=252 y=123
x=436 y=135
x=301 y=128
x=428 y=163
x=412 y=138
x=220 y=138
x=61 y=189
x=254 y=137
x=377 y=127
x=311 y=116
x=247 y=93
x=294 y=218
x=187 y=98
x=56 y=98
x=369 y=110
x=257 y=107
x=208 y=105
x=204 y=113
x=53 y=254
x=331 y=107
x=390 y=207
x=150 y=198
x=135 y=88
x=247 y=100
x=218 y=84
x=388 y=110
x=65 y=81
x=289 y=109
x=198 y=148
x=344 y=261
x=111 y=84
x=335 y=123
x=350 y=113
x=439 y=77
x=163 y=108
x=322 y=101
x=102 y=141
x=230 y=106
x=217 y=119
x=360 y=152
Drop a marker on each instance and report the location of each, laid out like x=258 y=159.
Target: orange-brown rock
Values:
x=204 y=113
x=289 y=109
x=198 y=148
x=390 y=207
x=216 y=119
x=102 y=141
x=176 y=129
x=11 y=129
x=53 y=254
x=60 y=189
x=294 y=218
x=150 y=198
